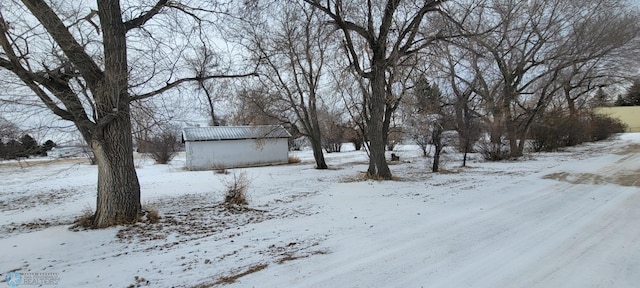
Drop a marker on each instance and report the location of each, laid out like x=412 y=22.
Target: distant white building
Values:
x=218 y=147
x=67 y=151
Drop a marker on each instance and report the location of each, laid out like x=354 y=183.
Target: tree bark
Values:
x=118 y=198
x=378 y=167
x=436 y=136
x=512 y=136
x=316 y=146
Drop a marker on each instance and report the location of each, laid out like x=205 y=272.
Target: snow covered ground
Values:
x=568 y=219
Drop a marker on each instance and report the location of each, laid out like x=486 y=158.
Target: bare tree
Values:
x=88 y=63
x=452 y=67
x=205 y=61
x=420 y=113
x=333 y=129
x=8 y=130
x=518 y=65
x=251 y=106
x=389 y=31
x=294 y=47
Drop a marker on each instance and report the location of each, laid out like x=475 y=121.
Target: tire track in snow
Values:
x=546 y=236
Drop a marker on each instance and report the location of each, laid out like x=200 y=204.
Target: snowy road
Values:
x=581 y=229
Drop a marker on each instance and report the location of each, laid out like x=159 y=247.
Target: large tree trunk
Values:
x=316 y=146
x=378 y=167
x=118 y=188
x=436 y=136
x=512 y=136
x=118 y=198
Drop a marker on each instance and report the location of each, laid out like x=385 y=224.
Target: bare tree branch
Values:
x=59 y=32
x=142 y=19
x=171 y=85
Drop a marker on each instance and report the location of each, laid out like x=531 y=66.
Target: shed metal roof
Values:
x=217 y=133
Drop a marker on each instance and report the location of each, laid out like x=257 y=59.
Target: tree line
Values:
x=14 y=146
x=24 y=147
x=499 y=67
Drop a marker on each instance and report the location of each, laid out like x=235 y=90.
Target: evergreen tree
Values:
x=601 y=99
x=428 y=97
x=13 y=149
x=632 y=97
x=633 y=93
x=29 y=145
x=3 y=149
x=48 y=145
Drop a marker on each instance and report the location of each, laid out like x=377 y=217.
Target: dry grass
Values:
x=237 y=188
x=294 y=159
x=219 y=170
x=84 y=221
x=364 y=176
x=150 y=215
x=232 y=278
x=42 y=161
x=153 y=216
x=289 y=257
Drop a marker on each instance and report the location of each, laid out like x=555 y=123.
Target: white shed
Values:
x=217 y=147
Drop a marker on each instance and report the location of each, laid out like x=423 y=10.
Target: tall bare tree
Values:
x=87 y=63
x=390 y=31
x=294 y=49
x=530 y=47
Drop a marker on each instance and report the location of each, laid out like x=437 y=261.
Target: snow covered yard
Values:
x=568 y=219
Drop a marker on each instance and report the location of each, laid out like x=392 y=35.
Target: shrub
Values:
x=237 y=188
x=332 y=147
x=553 y=131
x=602 y=127
x=163 y=147
x=494 y=151
x=556 y=130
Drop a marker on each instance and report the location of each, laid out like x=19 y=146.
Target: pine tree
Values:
x=3 y=150
x=48 y=145
x=29 y=145
x=13 y=149
x=633 y=93
x=632 y=97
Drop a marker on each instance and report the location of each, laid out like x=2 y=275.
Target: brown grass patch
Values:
x=43 y=161
x=364 y=176
x=84 y=221
x=294 y=159
x=290 y=257
x=232 y=278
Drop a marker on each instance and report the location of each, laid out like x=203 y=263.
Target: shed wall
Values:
x=629 y=115
x=208 y=155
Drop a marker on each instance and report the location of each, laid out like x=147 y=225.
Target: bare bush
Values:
x=553 y=131
x=237 y=188
x=332 y=147
x=556 y=130
x=494 y=151
x=161 y=148
x=602 y=127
